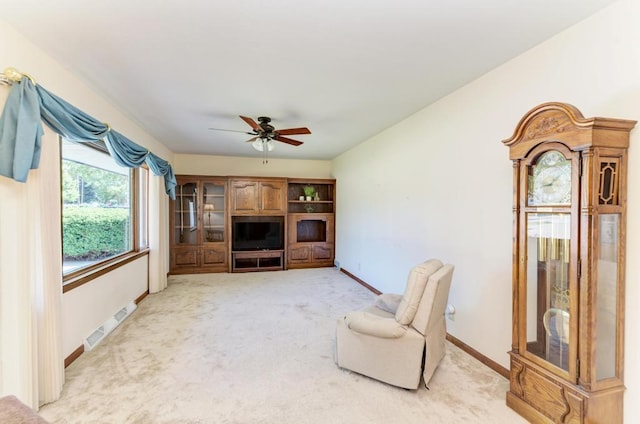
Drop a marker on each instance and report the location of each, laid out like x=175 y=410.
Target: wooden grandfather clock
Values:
x=569 y=215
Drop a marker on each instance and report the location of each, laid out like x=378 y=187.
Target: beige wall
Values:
x=439 y=184
x=89 y=306
x=229 y=166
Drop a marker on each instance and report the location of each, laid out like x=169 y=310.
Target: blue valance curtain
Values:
x=21 y=134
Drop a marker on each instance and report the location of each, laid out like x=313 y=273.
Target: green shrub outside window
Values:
x=94 y=233
x=96 y=206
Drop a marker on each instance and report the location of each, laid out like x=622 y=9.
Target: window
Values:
x=99 y=205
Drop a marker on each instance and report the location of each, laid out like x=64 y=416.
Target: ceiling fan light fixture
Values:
x=262 y=143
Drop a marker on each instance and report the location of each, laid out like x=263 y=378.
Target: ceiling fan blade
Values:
x=253 y=124
x=252 y=139
x=221 y=129
x=294 y=131
x=288 y=140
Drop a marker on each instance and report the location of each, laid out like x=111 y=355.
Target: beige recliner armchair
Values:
x=387 y=340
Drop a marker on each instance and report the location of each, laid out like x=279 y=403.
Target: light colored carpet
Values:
x=258 y=348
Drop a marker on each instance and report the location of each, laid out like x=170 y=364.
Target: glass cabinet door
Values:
x=213 y=216
x=186 y=214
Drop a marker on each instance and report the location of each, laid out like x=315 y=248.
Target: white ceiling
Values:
x=346 y=69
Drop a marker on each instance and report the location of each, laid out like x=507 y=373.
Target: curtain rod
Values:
x=4 y=80
x=12 y=75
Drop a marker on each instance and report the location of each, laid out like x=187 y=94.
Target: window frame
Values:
x=81 y=276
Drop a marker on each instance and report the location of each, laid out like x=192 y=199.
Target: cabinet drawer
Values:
x=310 y=254
x=212 y=256
x=299 y=254
x=322 y=253
x=185 y=257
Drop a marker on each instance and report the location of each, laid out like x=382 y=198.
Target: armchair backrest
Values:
x=434 y=300
x=416 y=284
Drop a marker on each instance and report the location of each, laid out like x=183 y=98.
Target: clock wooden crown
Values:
x=564 y=123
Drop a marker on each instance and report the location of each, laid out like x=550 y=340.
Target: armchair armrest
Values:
x=388 y=302
x=374 y=325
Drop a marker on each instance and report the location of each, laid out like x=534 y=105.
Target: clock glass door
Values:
x=548 y=290
x=547 y=268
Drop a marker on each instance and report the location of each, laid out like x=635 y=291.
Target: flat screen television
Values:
x=258 y=233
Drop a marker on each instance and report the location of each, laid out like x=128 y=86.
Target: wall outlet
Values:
x=450 y=312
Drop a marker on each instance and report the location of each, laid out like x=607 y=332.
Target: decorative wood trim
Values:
x=517 y=371
x=479 y=356
x=92 y=273
x=456 y=342
x=141 y=297
x=373 y=289
x=74 y=355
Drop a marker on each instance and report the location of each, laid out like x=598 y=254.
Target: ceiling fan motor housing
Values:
x=264 y=124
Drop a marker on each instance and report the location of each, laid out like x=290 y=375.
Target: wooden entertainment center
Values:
x=242 y=224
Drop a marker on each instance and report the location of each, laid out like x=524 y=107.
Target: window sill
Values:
x=80 y=277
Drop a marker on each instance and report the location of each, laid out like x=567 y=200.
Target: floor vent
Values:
x=101 y=332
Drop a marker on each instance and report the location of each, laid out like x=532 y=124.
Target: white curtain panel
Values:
x=32 y=365
x=47 y=270
x=158 y=235
x=17 y=311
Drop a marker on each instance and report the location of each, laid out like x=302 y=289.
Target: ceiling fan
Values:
x=263 y=133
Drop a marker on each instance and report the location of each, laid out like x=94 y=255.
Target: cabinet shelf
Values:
x=325 y=190
x=259 y=260
x=310 y=201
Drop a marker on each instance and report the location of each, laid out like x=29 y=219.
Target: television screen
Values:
x=258 y=235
